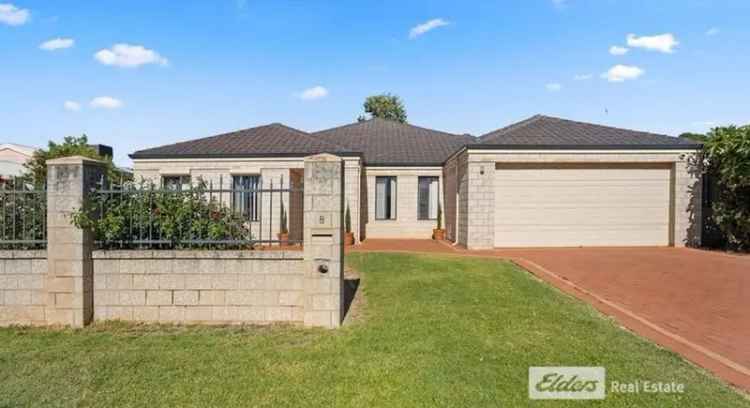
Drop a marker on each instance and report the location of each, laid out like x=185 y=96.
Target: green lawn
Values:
x=432 y=332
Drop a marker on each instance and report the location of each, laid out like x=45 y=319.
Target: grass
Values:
x=433 y=332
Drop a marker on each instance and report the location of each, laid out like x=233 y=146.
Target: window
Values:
x=246 y=201
x=176 y=183
x=428 y=196
x=385 y=198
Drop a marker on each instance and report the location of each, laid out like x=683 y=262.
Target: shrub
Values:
x=283 y=228
x=439 y=216
x=727 y=153
x=174 y=219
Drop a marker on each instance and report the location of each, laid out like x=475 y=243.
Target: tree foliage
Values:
x=695 y=137
x=385 y=106
x=180 y=219
x=727 y=153
x=36 y=168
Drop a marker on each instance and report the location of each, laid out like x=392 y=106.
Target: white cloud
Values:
x=582 y=77
x=72 y=106
x=129 y=56
x=621 y=73
x=662 y=42
x=617 y=50
x=57 y=44
x=427 y=26
x=559 y=3
x=554 y=87
x=712 y=31
x=106 y=102
x=12 y=15
x=313 y=93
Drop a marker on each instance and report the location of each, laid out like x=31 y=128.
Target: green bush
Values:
x=177 y=219
x=727 y=153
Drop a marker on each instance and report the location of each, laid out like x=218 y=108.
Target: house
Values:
x=12 y=159
x=543 y=181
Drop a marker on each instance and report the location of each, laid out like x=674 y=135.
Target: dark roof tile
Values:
x=386 y=142
x=273 y=139
x=542 y=130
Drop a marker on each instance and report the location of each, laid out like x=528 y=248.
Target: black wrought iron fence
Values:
x=23 y=212
x=201 y=214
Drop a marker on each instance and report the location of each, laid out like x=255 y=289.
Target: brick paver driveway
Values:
x=700 y=300
x=696 y=303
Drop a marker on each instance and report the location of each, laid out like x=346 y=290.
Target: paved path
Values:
x=696 y=303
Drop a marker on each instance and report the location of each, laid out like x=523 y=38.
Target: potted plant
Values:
x=283 y=230
x=349 y=236
x=438 y=233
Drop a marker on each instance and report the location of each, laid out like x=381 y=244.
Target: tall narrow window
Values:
x=245 y=197
x=176 y=183
x=428 y=196
x=385 y=198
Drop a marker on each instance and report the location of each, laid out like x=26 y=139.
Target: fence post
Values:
x=324 y=240
x=70 y=272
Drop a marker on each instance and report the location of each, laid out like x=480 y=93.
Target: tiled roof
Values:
x=268 y=140
x=385 y=142
x=544 y=131
x=389 y=143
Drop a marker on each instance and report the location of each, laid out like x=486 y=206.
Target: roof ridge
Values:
x=239 y=133
x=512 y=126
x=373 y=119
x=200 y=139
x=309 y=135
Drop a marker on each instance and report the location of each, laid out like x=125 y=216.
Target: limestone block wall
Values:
x=352 y=195
x=462 y=210
x=450 y=188
x=23 y=295
x=214 y=287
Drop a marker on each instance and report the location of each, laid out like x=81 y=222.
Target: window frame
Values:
x=252 y=208
x=180 y=181
x=392 y=196
x=419 y=198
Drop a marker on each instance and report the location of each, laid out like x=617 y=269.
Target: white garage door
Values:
x=581 y=205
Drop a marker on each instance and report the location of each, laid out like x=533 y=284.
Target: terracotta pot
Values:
x=349 y=238
x=283 y=239
x=438 y=234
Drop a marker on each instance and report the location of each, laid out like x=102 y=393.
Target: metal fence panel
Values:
x=23 y=212
x=203 y=215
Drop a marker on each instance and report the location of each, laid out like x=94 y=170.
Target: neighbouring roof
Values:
x=554 y=133
x=23 y=149
x=269 y=140
x=389 y=143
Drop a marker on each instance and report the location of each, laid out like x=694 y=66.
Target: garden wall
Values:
x=216 y=287
x=22 y=287
x=73 y=284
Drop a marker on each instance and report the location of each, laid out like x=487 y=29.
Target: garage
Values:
x=582 y=204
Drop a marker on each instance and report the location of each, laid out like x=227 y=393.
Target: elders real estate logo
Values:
x=567 y=382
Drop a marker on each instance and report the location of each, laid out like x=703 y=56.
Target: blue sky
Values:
x=195 y=68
